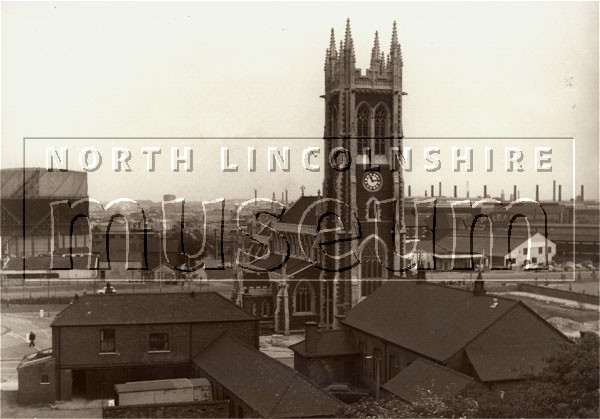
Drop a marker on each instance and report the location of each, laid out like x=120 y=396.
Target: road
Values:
x=15 y=327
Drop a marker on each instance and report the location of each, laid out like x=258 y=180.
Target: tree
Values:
x=567 y=387
x=447 y=405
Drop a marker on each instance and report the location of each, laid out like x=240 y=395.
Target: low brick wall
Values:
x=207 y=409
x=556 y=293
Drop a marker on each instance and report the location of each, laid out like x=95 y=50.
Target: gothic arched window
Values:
x=303 y=298
x=362 y=145
x=380 y=130
x=362 y=122
x=381 y=123
x=371 y=269
x=254 y=309
x=379 y=147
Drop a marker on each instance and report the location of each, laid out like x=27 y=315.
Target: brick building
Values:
x=103 y=340
x=495 y=341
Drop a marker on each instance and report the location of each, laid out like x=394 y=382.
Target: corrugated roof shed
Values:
x=127 y=309
x=266 y=385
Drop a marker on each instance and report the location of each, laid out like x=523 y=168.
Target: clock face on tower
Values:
x=372 y=181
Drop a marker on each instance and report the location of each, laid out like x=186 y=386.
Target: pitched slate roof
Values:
x=269 y=387
x=127 y=309
x=294 y=214
x=509 y=362
x=329 y=343
x=429 y=377
x=432 y=320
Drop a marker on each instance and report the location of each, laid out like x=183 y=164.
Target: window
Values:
x=254 y=309
x=362 y=351
x=371 y=269
x=362 y=146
x=362 y=122
x=159 y=342
x=525 y=251
x=45 y=379
x=107 y=341
x=540 y=250
x=549 y=250
x=533 y=260
x=303 y=298
x=265 y=309
x=379 y=146
x=380 y=123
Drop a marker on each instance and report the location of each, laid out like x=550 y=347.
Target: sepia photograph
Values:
x=283 y=209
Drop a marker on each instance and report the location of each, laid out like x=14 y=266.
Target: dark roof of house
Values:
x=265 y=384
x=329 y=343
x=429 y=377
x=43 y=263
x=510 y=362
x=432 y=320
x=128 y=309
x=294 y=214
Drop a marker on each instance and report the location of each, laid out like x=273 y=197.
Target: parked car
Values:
x=568 y=266
x=106 y=290
x=531 y=267
x=345 y=393
x=587 y=264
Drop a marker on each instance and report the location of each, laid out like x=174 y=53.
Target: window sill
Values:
x=304 y=313
x=159 y=352
x=108 y=353
x=44 y=384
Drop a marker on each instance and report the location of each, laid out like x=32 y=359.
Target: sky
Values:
x=218 y=72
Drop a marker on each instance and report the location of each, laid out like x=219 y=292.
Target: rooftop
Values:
x=429 y=319
x=130 y=309
x=269 y=387
x=429 y=377
x=329 y=343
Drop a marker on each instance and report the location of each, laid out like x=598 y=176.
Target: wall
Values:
x=367 y=375
x=327 y=370
x=100 y=382
x=80 y=346
x=212 y=409
x=31 y=391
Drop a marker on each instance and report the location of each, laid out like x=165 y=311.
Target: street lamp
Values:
x=377 y=367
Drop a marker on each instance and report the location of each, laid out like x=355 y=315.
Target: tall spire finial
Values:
x=348 y=40
x=375 y=53
x=332 y=50
x=394 y=44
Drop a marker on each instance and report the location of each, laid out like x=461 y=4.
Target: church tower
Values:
x=363 y=179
